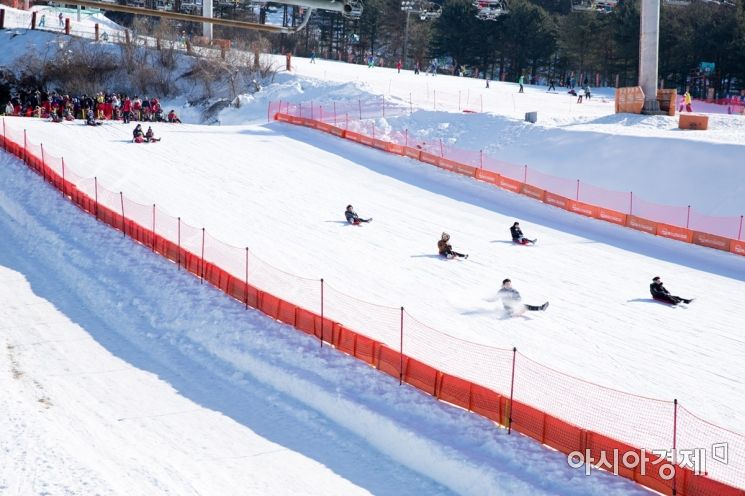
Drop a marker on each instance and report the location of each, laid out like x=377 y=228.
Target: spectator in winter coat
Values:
x=126 y=110
x=352 y=216
x=511 y=300
x=660 y=293
x=517 y=235
x=446 y=250
x=9 y=109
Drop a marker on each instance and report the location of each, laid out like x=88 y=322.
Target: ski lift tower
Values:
x=649 y=51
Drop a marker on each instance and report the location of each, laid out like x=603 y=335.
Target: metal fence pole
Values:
x=401 y=351
x=512 y=390
x=124 y=225
x=322 y=322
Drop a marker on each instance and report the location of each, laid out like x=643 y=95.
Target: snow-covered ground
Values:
x=121 y=376
x=281 y=191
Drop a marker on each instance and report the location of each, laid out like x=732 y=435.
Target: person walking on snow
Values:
x=511 y=300
x=352 y=216
x=520 y=81
x=517 y=235
x=551 y=85
x=660 y=293
x=446 y=250
x=398 y=66
x=313 y=57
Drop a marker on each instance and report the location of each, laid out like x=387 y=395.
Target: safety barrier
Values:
x=347 y=120
x=608 y=428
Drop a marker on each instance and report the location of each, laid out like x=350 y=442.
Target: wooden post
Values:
x=67 y=26
x=33 y=20
x=97 y=32
x=2 y=18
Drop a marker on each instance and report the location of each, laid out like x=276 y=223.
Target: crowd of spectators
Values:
x=104 y=106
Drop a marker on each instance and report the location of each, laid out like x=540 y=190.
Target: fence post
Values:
x=153 y=227
x=64 y=191
x=97 y=31
x=373 y=130
x=401 y=351
x=406 y=137
x=67 y=26
x=525 y=173
x=577 y=197
x=481 y=159
x=322 y=312
x=739 y=231
x=95 y=186
x=5 y=136
x=411 y=105
x=688 y=218
x=512 y=389
x=25 y=158
x=246 y=292
x=334 y=113
x=675 y=440
x=346 y=124
x=311 y=110
x=2 y=18
x=178 y=234
x=33 y=20
x=43 y=162
x=359 y=103
x=442 y=153
x=631 y=203
x=124 y=225
x=459 y=100
x=201 y=267
x=300 y=109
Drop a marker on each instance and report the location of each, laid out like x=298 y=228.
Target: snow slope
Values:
x=121 y=375
x=276 y=188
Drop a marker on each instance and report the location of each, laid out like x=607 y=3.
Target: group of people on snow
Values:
x=509 y=296
x=58 y=107
x=147 y=137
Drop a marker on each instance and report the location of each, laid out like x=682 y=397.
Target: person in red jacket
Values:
x=173 y=118
x=126 y=110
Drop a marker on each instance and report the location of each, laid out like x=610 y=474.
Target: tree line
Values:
x=545 y=39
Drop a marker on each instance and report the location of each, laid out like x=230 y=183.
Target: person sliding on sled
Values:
x=90 y=121
x=660 y=293
x=137 y=135
x=150 y=135
x=517 y=235
x=446 y=250
x=352 y=216
x=511 y=300
x=173 y=118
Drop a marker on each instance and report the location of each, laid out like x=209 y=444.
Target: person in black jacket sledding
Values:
x=517 y=235
x=138 y=136
x=511 y=300
x=660 y=293
x=446 y=250
x=352 y=216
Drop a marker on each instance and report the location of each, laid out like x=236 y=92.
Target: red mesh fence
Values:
x=598 y=202
x=564 y=412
